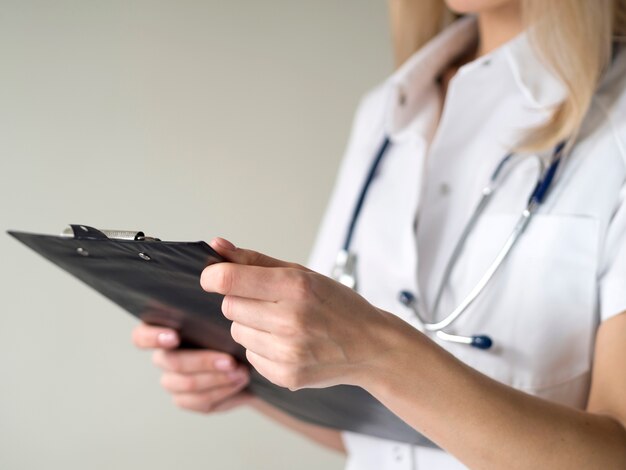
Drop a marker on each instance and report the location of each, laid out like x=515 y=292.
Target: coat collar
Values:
x=409 y=101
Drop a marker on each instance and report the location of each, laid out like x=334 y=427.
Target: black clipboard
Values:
x=159 y=283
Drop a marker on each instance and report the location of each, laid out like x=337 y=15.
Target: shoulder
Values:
x=608 y=109
x=370 y=113
x=367 y=131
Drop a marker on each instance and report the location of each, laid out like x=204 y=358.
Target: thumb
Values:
x=249 y=257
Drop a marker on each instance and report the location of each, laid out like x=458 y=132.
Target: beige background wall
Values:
x=186 y=119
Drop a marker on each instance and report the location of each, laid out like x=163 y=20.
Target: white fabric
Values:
x=568 y=271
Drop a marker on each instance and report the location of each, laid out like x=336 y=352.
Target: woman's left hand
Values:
x=300 y=329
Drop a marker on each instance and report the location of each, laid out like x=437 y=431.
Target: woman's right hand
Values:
x=198 y=380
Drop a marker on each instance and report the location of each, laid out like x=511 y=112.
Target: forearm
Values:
x=324 y=436
x=486 y=424
x=299 y=331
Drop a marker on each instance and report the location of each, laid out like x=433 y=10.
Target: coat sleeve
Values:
x=366 y=134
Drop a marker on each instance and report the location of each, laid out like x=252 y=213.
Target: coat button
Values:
x=402 y=97
x=398 y=453
x=444 y=189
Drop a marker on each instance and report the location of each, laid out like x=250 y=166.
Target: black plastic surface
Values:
x=159 y=282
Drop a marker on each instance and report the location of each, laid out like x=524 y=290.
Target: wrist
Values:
x=397 y=344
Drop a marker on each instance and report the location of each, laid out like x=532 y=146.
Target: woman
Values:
x=510 y=75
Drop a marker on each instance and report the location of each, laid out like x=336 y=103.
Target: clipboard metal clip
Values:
x=84 y=232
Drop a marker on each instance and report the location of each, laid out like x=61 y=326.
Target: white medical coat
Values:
x=566 y=275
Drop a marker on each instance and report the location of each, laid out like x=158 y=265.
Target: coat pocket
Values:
x=541 y=307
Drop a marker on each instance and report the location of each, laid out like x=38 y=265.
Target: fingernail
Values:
x=225 y=244
x=224 y=363
x=167 y=339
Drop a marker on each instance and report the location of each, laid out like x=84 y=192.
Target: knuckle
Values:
x=188 y=383
x=176 y=383
x=235 y=332
x=204 y=361
x=215 y=396
x=173 y=362
x=249 y=357
x=198 y=361
x=208 y=359
x=191 y=403
x=136 y=337
x=302 y=285
x=297 y=380
x=242 y=384
x=298 y=266
x=280 y=377
x=217 y=278
x=227 y=305
x=295 y=353
x=157 y=358
x=286 y=328
x=294 y=323
x=254 y=258
x=143 y=337
x=211 y=399
x=300 y=320
x=224 y=278
x=205 y=277
x=290 y=377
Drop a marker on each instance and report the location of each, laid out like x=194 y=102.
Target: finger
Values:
x=269 y=346
x=268 y=369
x=206 y=401
x=249 y=257
x=241 y=398
x=261 y=342
x=186 y=362
x=257 y=314
x=253 y=282
x=202 y=381
x=149 y=337
x=293 y=377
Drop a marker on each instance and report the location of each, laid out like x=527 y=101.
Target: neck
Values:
x=498 y=25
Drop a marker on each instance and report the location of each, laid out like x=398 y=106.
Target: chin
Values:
x=476 y=6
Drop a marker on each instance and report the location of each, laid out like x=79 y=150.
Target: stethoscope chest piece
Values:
x=407 y=299
x=344 y=270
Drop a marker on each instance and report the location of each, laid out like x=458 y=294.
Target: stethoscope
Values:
x=344 y=270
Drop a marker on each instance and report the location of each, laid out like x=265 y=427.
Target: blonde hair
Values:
x=573 y=37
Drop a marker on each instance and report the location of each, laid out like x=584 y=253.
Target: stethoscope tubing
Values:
x=371 y=175
x=543 y=182
x=519 y=228
x=347 y=260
